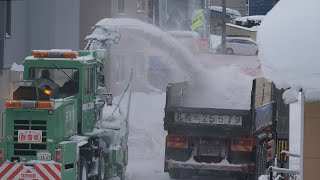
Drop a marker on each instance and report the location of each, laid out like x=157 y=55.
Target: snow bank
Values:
x=288 y=43
x=16 y=67
x=146 y=137
x=250 y=18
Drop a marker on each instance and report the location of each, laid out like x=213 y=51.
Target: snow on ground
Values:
x=288 y=43
x=146 y=137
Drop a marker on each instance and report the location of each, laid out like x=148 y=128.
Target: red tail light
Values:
x=58 y=155
x=177 y=141
x=1 y=154
x=243 y=142
x=176 y=138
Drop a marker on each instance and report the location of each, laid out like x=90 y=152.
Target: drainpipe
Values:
x=2 y=34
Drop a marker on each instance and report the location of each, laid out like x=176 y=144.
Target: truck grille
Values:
x=29 y=149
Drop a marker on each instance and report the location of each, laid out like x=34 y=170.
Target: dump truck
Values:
x=54 y=126
x=241 y=143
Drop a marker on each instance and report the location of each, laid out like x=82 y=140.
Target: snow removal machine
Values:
x=225 y=142
x=62 y=122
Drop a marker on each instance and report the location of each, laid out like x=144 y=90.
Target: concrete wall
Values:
x=131 y=10
x=91 y=13
x=15 y=47
x=239 y=5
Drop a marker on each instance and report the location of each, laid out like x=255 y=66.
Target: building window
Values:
x=8 y=18
x=141 y=5
x=121 y=6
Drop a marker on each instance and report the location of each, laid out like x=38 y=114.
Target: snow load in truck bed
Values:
x=224 y=88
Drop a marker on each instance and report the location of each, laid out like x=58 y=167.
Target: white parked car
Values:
x=240 y=46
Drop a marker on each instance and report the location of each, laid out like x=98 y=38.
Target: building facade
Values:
x=260 y=7
x=239 y=5
x=177 y=14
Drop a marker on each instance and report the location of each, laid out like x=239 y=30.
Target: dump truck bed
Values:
x=195 y=121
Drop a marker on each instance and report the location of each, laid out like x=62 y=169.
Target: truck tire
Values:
x=83 y=171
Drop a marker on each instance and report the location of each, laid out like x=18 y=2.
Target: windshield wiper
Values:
x=63 y=71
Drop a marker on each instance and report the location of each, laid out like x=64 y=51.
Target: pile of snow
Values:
x=288 y=43
x=257 y=18
x=16 y=67
x=146 y=137
x=226 y=87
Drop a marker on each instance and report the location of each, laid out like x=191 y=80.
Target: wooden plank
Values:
x=311 y=155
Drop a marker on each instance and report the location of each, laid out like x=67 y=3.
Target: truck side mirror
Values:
x=109 y=99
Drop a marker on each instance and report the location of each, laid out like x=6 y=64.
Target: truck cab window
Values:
x=89 y=81
x=55 y=83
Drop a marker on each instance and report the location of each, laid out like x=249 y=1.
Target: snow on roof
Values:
x=251 y=18
x=289 y=52
x=229 y=11
x=244 y=28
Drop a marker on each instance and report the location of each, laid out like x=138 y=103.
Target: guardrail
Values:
x=283 y=170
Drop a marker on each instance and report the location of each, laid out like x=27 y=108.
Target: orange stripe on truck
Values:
x=241 y=148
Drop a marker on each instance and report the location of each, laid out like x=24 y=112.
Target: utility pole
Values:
x=223 y=27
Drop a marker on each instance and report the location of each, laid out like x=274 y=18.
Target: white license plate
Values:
x=44 y=155
x=208 y=119
x=29 y=136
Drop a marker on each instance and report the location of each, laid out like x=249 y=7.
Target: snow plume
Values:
x=208 y=89
x=137 y=36
x=225 y=87
x=288 y=43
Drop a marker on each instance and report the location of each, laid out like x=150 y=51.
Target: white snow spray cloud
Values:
x=207 y=88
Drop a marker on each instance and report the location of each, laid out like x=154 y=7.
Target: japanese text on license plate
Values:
x=208 y=119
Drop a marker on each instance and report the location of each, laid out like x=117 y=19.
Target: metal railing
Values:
x=283 y=170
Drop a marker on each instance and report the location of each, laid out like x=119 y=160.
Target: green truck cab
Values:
x=50 y=125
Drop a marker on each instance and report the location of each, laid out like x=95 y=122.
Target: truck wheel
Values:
x=102 y=167
x=83 y=171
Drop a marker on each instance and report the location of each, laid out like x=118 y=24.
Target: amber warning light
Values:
x=30 y=104
x=55 y=54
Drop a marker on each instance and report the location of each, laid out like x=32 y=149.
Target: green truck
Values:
x=54 y=126
x=241 y=143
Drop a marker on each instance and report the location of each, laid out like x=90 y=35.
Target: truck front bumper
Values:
x=15 y=171
x=211 y=167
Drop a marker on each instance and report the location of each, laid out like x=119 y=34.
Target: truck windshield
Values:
x=67 y=80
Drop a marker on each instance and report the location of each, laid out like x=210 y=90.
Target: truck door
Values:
x=88 y=113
